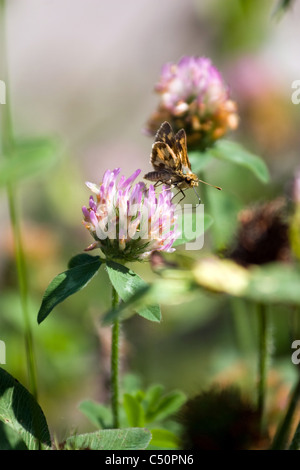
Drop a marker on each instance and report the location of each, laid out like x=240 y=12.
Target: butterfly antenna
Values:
x=217 y=187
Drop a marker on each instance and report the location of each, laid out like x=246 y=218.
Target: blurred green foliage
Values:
x=152 y=409
x=205 y=335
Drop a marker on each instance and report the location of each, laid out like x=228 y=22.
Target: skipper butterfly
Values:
x=170 y=161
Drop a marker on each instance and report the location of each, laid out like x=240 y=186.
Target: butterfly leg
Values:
x=159 y=183
x=180 y=191
x=182 y=197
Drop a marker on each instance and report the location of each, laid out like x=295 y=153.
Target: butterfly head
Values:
x=191 y=180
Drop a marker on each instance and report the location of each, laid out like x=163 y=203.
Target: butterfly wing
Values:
x=164 y=150
x=165 y=134
x=163 y=157
x=181 y=145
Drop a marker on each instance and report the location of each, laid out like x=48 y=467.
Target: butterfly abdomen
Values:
x=162 y=176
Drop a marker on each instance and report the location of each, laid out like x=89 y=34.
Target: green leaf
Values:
x=153 y=395
x=80 y=259
x=134 y=411
x=127 y=284
x=99 y=415
x=28 y=158
x=234 y=153
x=132 y=303
x=199 y=160
x=274 y=283
x=167 y=406
x=9 y=439
x=111 y=439
x=164 y=439
x=67 y=283
x=164 y=290
x=20 y=411
x=192 y=225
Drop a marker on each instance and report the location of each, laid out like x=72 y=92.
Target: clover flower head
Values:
x=194 y=96
x=263 y=235
x=128 y=221
x=218 y=419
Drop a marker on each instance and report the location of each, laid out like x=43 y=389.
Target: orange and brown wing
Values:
x=181 y=145
x=164 y=154
x=165 y=134
x=164 y=158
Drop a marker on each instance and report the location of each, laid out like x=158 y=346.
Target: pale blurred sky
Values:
x=86 y=69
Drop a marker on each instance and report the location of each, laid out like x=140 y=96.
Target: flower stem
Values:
x=115 y=363
x=262 y=361
x=7 y=146
x=242 y=325
x=281 y=438
x=295 y=444
x=23 y=288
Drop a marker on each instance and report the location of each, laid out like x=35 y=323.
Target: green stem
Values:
x=262 y=361
x=7 y=146
x=23 y=288
x=242 y=323
x=281 y=438
x=295 y=444
x=115 y=364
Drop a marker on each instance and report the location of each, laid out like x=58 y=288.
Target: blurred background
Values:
x=84 y=73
